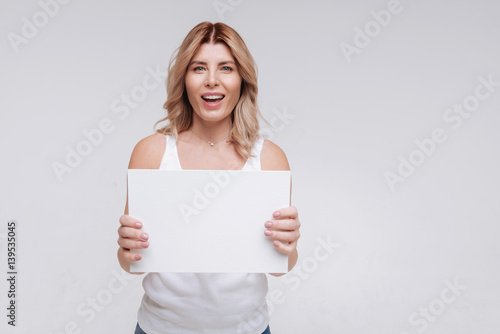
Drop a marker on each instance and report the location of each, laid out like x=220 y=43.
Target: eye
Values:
x=227 y=68
x=198 y=69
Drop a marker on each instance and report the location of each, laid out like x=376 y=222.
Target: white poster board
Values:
x=206 y=220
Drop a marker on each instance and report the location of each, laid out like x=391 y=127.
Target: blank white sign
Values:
x=207 y=220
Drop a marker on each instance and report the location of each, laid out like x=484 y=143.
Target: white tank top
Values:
x=208 y=303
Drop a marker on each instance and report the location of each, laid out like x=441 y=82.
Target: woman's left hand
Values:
x=284 y=229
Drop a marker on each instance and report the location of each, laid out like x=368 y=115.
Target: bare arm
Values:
x=147 y=154
x=284 y=229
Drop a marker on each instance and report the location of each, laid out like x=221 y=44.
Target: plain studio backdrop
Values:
x=388 y=112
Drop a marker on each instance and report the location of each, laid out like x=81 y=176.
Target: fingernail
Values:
x=276 y=214
x=137 y=257
x=267 y=232
x=276 y=243
x=138 y=225
x=268 y=224
x=144 y=236
x=144 y=244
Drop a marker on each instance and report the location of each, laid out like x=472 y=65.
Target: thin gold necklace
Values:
x=211 y=143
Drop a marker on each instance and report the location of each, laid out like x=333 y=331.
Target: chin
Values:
x=213 y=115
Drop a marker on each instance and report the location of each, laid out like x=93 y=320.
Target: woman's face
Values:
x=213 y=82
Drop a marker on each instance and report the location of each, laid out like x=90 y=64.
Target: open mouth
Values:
x=213 y=98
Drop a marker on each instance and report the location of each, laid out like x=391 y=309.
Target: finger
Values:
x=288 y=212
x=131 y=257
x=132 y=244
x=288 y=236
x=283 y=224
x=126 y=220
x=285 y=248
x=132 y=233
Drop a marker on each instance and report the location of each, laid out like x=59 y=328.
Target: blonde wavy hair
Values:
x=245 y=123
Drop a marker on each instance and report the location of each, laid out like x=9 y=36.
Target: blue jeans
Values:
x=138 y=330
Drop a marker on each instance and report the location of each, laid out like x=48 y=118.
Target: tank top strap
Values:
x=170 y=159
x=253 y=163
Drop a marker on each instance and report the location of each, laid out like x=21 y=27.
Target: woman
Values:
x=212 y=124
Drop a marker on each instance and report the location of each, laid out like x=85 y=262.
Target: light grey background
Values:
x=348 y=123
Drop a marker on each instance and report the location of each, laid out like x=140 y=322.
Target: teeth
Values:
x=213 y=97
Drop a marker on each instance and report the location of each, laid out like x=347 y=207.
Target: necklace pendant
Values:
x=212 y=144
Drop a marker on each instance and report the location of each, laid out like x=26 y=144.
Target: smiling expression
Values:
x=213 y=82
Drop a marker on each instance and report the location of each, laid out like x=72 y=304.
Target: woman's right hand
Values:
x=130 y=237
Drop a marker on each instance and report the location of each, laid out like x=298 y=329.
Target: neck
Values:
x=211 y=131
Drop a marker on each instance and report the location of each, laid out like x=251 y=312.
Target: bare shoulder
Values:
x=272 y=157
x=148 y=152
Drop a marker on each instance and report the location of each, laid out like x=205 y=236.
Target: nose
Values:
x=211 y=80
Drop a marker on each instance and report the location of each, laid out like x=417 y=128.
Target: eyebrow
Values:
x=198 y=62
